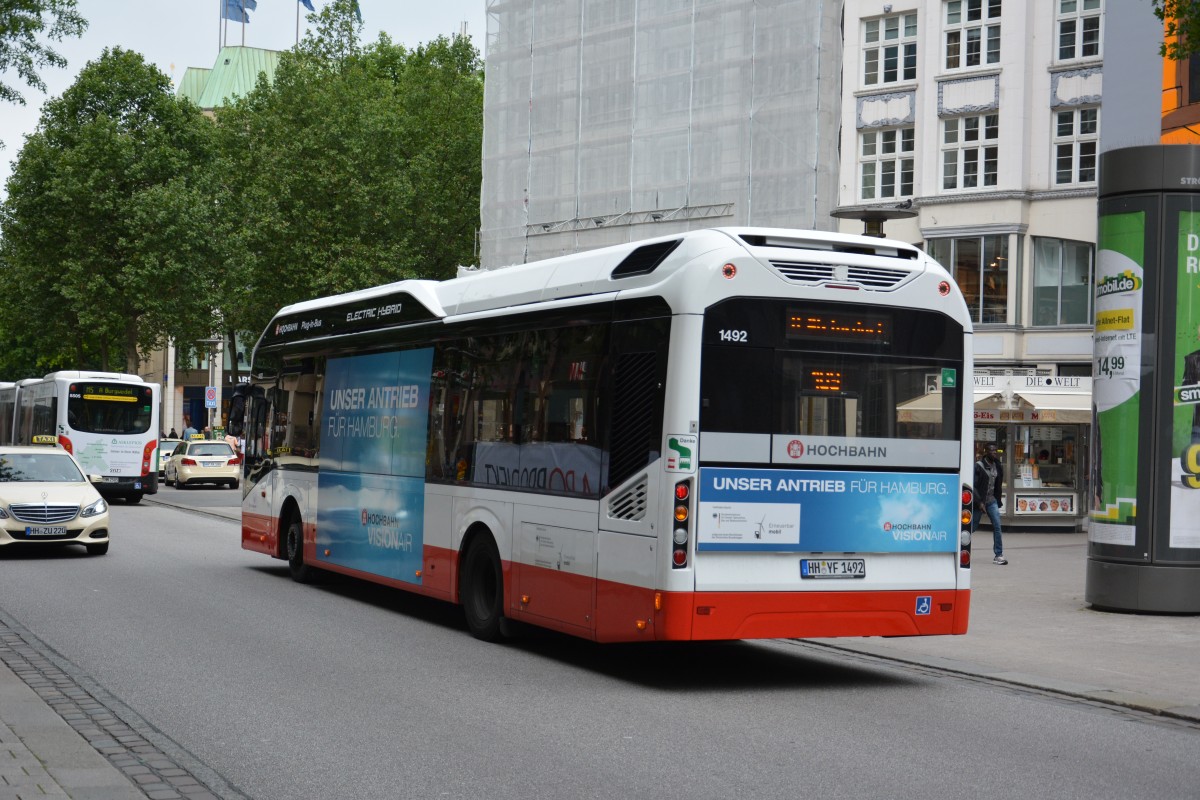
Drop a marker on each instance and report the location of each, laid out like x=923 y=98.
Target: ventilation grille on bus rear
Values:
x=645 y=259
x=630 y=504
x=635 y=390
x=866 y=277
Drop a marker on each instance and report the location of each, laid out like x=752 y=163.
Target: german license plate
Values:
x=213 y=463
x=110 y=479
x=833 y=568
x=45 y=530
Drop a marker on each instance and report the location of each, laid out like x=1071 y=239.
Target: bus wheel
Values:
x=133 y=499
x=97 y=549
x=294 y=541
x=482 y=590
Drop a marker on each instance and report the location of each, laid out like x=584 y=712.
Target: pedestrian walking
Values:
x=989 y=497
x=188 y=430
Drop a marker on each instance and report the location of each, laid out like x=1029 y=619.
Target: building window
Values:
x=886 y=164
x=890 y=49
x=1079 y=28
x=1062 y=282
x=1076 y=134
x=972 y=33
x=980 y=267
x=970 y=151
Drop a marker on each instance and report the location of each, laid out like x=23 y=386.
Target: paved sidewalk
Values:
x=42 y=756
x=1030 y=626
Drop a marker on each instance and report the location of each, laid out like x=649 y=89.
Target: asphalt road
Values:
x=348 y=690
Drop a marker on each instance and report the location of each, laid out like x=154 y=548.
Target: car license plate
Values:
x=833 y=568
x=46 y=530
x=110 y=479
x=213 y=463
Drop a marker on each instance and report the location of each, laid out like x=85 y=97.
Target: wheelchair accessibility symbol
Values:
x=924 y=605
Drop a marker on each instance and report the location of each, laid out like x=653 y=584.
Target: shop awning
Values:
x=1029 y=406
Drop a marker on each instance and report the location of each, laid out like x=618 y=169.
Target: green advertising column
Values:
x=1144 y=521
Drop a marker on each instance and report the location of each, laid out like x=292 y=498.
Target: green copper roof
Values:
x=233 y=75
x=193 y=83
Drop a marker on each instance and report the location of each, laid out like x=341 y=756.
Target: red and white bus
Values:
x=721 y=434
x=108 y=420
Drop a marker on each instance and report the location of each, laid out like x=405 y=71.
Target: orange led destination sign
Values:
x=840 y=327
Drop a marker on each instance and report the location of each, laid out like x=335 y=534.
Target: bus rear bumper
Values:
x=124 y=487
x=811 y=615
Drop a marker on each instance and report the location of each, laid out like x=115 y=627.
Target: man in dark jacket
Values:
x=989 y=496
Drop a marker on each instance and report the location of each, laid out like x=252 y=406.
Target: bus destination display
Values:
x=839 y=327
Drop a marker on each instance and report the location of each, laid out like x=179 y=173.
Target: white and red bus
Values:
x=108 y=420
x=721 y=434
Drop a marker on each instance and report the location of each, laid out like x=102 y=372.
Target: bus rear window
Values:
x=109 y=408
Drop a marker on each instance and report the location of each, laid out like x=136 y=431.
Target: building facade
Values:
x=608 y=121
x=977 y=122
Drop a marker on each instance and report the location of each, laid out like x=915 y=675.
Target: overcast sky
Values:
x=177 y=34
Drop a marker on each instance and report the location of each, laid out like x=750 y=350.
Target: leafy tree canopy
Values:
x=104 y=226
x=357 y=166
x=1182 y=27
x=22 y=22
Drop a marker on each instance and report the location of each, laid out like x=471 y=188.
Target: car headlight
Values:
x=98 y=507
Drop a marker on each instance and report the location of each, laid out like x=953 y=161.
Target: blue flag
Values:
x=357 y=12
x=234 y=10
x=307 y=4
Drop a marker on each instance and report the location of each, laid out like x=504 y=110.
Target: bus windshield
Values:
x=109 y=408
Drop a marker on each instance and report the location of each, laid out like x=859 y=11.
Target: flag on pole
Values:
x=307 y=4
x=357 y=12
x=235 y=11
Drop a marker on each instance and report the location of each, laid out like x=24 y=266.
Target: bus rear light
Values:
x=148 y=456
x=729 y=271
x=967 y=496
x=65 y=443
x=658 y=604
x=683 y=526
x=964 y=538
x=964 y=558
x=966 y=517
x=944 y=288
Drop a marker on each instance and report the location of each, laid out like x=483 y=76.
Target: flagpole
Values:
x=220 y=15
x=297 y=21
x=244 y=15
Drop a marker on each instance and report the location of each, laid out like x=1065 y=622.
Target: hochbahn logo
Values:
x=795 y=448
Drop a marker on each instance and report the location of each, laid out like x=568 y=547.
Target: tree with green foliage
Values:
x=106 y=228
x=22 y=23
x=1182 y=31
x=354 y=167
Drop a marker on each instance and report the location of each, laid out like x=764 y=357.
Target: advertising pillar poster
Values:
x=371 y=487
x=1116 y=383
x=1185 y=430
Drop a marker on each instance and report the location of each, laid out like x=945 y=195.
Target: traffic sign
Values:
x=210 y=397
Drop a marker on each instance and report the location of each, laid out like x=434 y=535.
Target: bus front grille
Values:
x=42 y=514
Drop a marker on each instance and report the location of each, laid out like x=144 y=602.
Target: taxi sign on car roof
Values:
x=45 y=438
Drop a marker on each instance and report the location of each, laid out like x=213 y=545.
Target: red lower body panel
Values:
x=810 y=615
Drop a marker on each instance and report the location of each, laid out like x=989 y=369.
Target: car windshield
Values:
x=45 y=467
x=210 y=449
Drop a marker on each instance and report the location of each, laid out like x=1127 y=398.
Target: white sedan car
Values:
x=203 y=461
x=46 y=500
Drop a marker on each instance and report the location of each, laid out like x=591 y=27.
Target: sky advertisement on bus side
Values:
x=371 y=487
x=827 y=511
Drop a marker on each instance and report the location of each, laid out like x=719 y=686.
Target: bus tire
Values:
x=97 y=549
x=293 y=542
x=482 y=590
x=133 y=499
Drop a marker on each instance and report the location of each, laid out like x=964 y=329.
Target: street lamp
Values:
x=213 y=344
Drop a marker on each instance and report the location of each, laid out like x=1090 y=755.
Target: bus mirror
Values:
x=237 y=414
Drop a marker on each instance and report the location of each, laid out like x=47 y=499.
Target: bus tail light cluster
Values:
x=682 y=524
x=964 y=535
x=148 y=456
x=65 y=443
